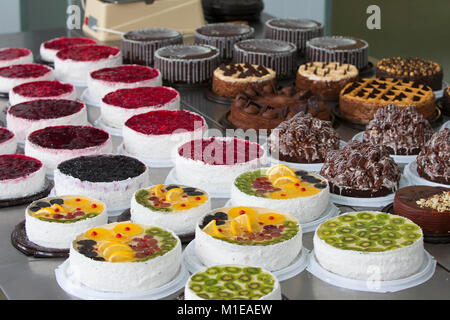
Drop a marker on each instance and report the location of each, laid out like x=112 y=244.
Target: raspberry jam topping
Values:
x=165 y=122
x=140 y=97
x=63 y=43
x=219 y=151
x=13 y=53
x=125 y=74
x=17 y=166
x=24 y=71
x=87 y=53
x=5 y=135
x=46 y=88
x=45 y=109
x=69 y=137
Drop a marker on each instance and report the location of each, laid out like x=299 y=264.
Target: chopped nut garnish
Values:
x=438 y=202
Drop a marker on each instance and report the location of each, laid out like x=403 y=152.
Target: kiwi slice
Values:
x=213 y=270
x=331 y=240
x=199 y=278
x=232 y=286
x=386 y=242
x=366 y=244
x=245 y=293
x=393 y=247
x=251 y=270
x=345 y=230
x=232 y=269
x=324 y=233
x=382 y=216
x=332 y=224
x=391 y=235
x=254 y=286
x=227 y=277
x=375 y=229
x=409 y=227
x=266 y=290
x=375 y=237
x=204 y=296
x=264 y=277
x=346 y=218
x=362 y=234
x=407 y=243
x=411 y=236
x=358 y=225
x=211 y=282
x=196 y=287
x=365 y=215
x=213 y=289
x=397 y=221
x=391 y=227
x=224 y=294
x=245 y=278
x=348 y=239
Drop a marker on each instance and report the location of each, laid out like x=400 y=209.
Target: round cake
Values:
x=8 y=142
x=156 y=134
x=17 y=74
x=403 y=131
x=74 y=64
x=20 y=176
x=364 y=245
x=248 y=235
x=277 y=55
x=229 y=80
x=112 y=179
x=426 y=72
x=120 y=105
x=361 y=170
x=44 y=89
x=24 y=118
x=232 y=282
x=48 y=49
x=53 y=145
x=433 y=161
x=297 y=31
x=125 y=257
x=303 y=139
x=213 y=163
x=325 y=78
x=302 y=194
x=139 y=46
x=223 y=36
x=54 y=222
x=11 y=56
x=175 y=207
x=187 y=64
x=340 y=49
x=103 y=81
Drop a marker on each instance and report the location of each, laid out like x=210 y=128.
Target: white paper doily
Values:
x=88 y=99
x=445 y=125
x=152 y=163
x=112 y=131
x=410 y=172
x=425 y=272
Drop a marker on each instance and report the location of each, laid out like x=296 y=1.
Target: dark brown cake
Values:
x=446 y=102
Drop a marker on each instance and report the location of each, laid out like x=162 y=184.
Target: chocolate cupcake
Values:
x=139 y=46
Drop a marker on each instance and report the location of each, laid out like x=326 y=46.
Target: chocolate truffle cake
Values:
x=403 y=131
x=423 y=71
x=303 y=139
x=361 y=169
x=433 y=161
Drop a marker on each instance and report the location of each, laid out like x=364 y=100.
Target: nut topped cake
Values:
x=45 y=89
x=11 y=56
x=48 y=49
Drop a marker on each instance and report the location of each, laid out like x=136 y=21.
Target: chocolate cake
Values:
x=361 y=170
x=266 y=109
x=433 y=161
x=303 y=139
x=446 y=102
x=423 y=71
x=403 y=131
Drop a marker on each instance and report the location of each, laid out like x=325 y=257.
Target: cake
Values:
x=361 y=170
x=54 y=222
x=17 y=74
x=339 y=49
x=139 y=46
x=232 y=10
x=103 y=81
x=125 y=257
x=11 y=56
x=248 y=235
x=356 y=244
x=20 y=176
x=433 y=161
x=74 y=64
x=174 y=207
x=303 y=139
x=24 y=118
x=302 y=194
x=45 y=89
x=426 y=72
x=8 y=142
x=228 y=80
x=156 y=134
x=48 y=49
x=213 y=163
x=360 y=100
x=232 y=282
x=325 y=78
x=277 y=55
x=266 y=109
x=428 y=207
x=403 y=131
x=112 y=179
x=53 y=145
x=223 y=36
x=297 y=31
x=446 y=102
x=187 y=64
x=120 y=105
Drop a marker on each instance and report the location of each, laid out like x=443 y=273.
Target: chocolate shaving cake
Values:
x=361 y=169
x=403 y=131
x=420 y=70
x=433 y=161
x=303 y=139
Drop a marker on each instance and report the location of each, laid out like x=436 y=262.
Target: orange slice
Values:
x=238 y=211
x=271 y=218
x=120 y=247
x=128 y=229
x=105 y=244
x=158 y=190
x=285 y=180
x=121 y=256
x=99 y=234
x=174 y=195
x=279 y=170
x=58 y=207
x=44 y=211
x=217 y=231
x=241 y=224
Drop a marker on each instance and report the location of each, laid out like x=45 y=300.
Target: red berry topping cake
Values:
x=8 y=143
x=45 y=89
x=15 y=75
x=49 y=48
x=11 y=56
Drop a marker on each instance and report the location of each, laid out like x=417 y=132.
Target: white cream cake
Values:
x=11 y=56
x=14 y=75
x=8 y=142
x=46 y=89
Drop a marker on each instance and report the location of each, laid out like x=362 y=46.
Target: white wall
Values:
x=9 y=16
